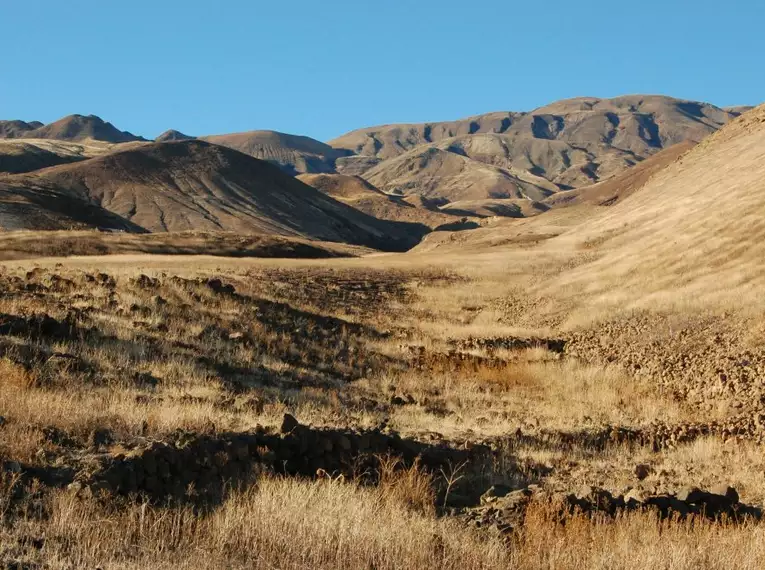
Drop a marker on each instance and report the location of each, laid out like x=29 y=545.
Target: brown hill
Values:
x=694 y=232
x=571 y=143
x=17 y=129
x=438 y=173
x=74 y=128
x=173 y=135
x=635 y=123
x=389 y=141
x=621 y=185
x=50 y=209
x=293 y=154
x=18 y=156
x=505 y=207
x=194 y=185
x=46 y=244
x=360 y=194
x=26 y=155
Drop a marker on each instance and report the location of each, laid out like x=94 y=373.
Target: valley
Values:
x=462 y=356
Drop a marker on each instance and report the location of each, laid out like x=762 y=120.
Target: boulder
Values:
x=692 y=495
x=289 y=423
x=494 y=492
x=726 y=491
x=642 y=471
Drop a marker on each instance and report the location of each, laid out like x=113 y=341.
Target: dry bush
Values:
x=408 y=486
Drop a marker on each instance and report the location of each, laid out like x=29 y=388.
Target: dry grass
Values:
x=635 y=542
x=326 y=524
x=280 y=523
x=329 y=343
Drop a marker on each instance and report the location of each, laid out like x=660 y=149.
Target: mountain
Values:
x=568 y=144
x=195 y=185
x=17 y=129
x=619 y=186
x=389 y=141
x=637 y=124
x=739 y=109
x=50 y=209
x=27 y=155
x=79 y=128
x=21 y=156
x=695 y=228
x=361 y=195
x=504 y=207
x=292 y=153
x=173 y=135
x=434 y=172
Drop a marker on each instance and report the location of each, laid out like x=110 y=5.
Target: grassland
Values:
x=576 y=390
x=101 y=356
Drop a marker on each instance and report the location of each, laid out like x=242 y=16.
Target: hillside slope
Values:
x=569 y=144
x=618 y=187
x=633 y=123
x=194 y=185
x=292 y=153
x=360 y=194
x=50 y=209
x=172 y=135
x=389 y=141
x=437 y=173
x=695 y=229
x=70 y=128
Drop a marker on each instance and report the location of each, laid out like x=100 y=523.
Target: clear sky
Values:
x=323 y=67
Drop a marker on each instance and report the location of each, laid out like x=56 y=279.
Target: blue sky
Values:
x=321 y=68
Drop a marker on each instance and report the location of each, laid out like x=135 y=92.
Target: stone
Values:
x=635 y=497
x=691 y=495
x=494 y=492
x=217 y=286
x=158 y=301
x=100 y=436
x=289 y=423
x=726 y=491
x=642 y=471
x=343 y=442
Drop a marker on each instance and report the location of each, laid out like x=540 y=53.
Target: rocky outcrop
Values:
x=504 y=509
x=203 y=466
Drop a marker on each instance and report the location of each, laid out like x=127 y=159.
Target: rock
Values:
x=494 y=492
x=158 y=301
x=144 y=282
x=100 y=436
x=642 y=471
x=3 y=421
x=289 y=423
x=726 y=491
x=342 y=442
x=691 y=495
x=662 y=502
x=635 y=498
x=217 y=286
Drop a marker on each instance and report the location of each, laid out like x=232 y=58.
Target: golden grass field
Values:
x=644 y=319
